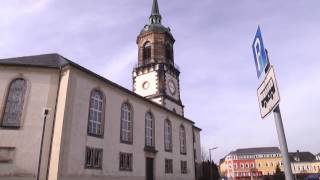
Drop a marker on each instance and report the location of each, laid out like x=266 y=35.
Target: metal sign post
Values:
x=283 y=143
x=269 y=98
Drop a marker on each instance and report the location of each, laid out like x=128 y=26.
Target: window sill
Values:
x=126 y=142
x=150 y=149
x=10 y=127
x=93 y=168
x=95 y=135
x=168 y=150
x=128 y=170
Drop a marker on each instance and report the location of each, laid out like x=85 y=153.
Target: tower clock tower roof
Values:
x=155 y=19
x=155 y=8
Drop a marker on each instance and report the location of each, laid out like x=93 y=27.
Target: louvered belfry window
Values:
x=14 y=104
x=146 y=53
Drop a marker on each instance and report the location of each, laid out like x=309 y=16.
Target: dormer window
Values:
x=146 y=53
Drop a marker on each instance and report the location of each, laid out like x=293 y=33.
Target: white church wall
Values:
x=171 y=105
x=76 y=138
x=25 y=141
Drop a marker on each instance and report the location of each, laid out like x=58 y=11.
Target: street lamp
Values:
x=210 y=165
x=211 y=149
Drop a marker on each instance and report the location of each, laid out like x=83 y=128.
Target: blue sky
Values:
x=213 y=49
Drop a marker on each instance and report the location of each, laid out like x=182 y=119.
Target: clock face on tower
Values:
x=172 y=87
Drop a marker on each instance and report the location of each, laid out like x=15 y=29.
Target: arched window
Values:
x=14 y=103
x=96 y=113
x=167 y=135
x=149 y=130
x=126 y=123
x=169 y=53
x=183 y=147
x=146 y=52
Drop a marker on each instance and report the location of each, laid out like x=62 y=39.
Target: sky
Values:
x=218 y=79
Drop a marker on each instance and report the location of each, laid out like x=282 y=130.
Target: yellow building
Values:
x=223 y=167
x=267 y=165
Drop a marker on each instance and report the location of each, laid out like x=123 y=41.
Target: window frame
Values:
x=127 y=157
x=168 y=166
x=152 y=129
x=168 y=137
x=95 y=152
x=17 y=125
x=146 y=52
x=184 y=167
x=103 y=111
x=129 y=131
x=183 y=140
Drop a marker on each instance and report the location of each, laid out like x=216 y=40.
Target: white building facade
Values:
x=61 y=121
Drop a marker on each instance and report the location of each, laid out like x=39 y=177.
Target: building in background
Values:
x=61 y=121
x=258 y=162
x=318 y=157
x=304 y=163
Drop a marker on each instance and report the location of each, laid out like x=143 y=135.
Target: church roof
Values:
x=44 y=60
x=57 y=61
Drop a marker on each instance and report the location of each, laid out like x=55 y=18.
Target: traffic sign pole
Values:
x=283 y=143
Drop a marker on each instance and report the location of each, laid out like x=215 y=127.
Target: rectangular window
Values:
x=93 y=158
x=125 y=162
x=183 y=167
x=168 y=166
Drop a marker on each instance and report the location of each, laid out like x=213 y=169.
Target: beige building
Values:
x=304 y=163
x=61 y=121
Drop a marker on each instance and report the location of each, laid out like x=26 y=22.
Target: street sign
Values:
x=269 y=98
x=260 y=55
x=268 y=93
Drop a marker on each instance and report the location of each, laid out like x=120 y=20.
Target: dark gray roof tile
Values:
x=255 y=151
x=45 y=60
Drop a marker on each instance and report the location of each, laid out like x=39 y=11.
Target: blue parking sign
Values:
x=260 y=55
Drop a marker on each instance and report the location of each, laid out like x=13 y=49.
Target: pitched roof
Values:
x=301 y=156
x=254 y=151
x=44 y=60
x=57 y=61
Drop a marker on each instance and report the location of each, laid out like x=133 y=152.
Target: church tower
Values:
x=156 y=76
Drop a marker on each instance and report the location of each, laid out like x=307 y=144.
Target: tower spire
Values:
x=155 y=8
x=155 y=17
